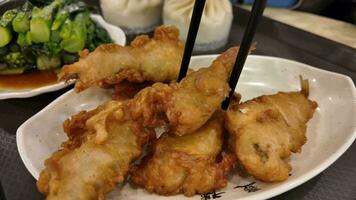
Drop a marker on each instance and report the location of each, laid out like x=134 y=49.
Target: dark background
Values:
x=275 y=39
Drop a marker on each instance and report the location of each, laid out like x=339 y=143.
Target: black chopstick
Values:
x=192 y=34
x=2 y=192
x=255 y=16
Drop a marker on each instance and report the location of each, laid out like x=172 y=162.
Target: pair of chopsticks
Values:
x=255 y=16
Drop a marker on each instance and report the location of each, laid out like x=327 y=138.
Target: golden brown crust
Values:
x=83 y=54
x=75 y=128
x=266 y=130
x=186 y=164
x=106 y=142
x=198 y=96
x=140 y=41
x=154 y=59
x=127 y=90
x=166 y=33
x=187 y=105
x=169 y=33
x=148 y=105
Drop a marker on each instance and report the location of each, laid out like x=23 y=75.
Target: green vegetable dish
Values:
x=45 y=35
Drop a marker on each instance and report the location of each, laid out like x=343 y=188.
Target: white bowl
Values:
x=330 y=132
x=116 y=34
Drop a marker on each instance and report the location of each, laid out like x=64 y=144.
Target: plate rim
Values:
x=26 y=93
x=34 y=92
x=267 y=194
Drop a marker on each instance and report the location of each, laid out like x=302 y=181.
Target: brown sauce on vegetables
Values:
x=28 y=80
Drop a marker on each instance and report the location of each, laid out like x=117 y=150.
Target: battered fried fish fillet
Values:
x=187 y=105
x=265 y=130
x=100 y=161
x=154 y=59
x=186 y=164
x=127 y=90
x=104 y=142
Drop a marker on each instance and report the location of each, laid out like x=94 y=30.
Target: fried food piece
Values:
x=154 y=59
x=102 y=160
x=127 y=90
x=104 y=142
x=187 y=105
x=265 y=131
x=186 y=164
x=76 y=127
x=198 y=96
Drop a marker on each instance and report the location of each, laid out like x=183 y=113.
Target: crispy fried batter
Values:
x=76 y=128
x=186 y=164
x=189 y=104
x=127 y=90
x=264 y=131
x=112 y=142
x=196 y=98
x=104 y=142
x=154 y=59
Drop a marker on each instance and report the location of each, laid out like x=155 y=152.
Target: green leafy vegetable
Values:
x=61 y=16
x=7 y=17
x=21 y=39
x=28 y=38
x=40 y=31
x=15 y=59
x=77 y=38
x=45 y=63
x=45 y=34
x=21 y=23
x=5 y=36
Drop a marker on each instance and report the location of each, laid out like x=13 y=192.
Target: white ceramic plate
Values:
x=330 y=132
x=116 y=34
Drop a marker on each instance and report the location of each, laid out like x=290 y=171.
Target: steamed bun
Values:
x=133 y=16
x=214 y=26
